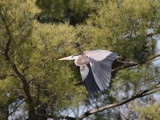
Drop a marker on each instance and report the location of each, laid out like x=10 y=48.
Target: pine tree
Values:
x=34 y=34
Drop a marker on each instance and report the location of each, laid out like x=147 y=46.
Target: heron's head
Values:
x=72 y=57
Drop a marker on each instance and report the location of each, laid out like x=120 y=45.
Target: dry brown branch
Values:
x=124 y=37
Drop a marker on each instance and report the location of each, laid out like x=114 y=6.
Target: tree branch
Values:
x=61 y=117
x=88 y=113
x=128 y=34
x=9 y=35
x=16 y=108
x=152 y=34
x=5 y=75
x=32 y=111
x=138 y=95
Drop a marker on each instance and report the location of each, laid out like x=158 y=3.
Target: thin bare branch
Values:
x=138 y=95
x=152 y=34
x=60 y=117
x=124 y=37
x=5 y=75
x=16 y=108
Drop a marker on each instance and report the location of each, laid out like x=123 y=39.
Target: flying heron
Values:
x=95 y=68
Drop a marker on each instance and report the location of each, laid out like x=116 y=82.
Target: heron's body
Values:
x=95 y=68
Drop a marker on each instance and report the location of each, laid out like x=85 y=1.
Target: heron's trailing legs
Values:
x=132 y=62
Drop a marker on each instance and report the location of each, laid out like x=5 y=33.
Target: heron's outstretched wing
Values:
x=101 y=66
x=98 y=55
x=88 y=79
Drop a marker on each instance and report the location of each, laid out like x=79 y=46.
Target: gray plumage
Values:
x=95 y=68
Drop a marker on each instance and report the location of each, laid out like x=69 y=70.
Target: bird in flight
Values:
x=95 y=68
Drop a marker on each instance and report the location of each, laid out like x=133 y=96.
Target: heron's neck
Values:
x=81 y=60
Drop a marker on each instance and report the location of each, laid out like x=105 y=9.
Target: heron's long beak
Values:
x=66 y=58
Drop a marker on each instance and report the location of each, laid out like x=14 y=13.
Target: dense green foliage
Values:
x=35 y=33
x=73 y=11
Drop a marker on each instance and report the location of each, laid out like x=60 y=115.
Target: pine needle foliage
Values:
x=35 y=33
